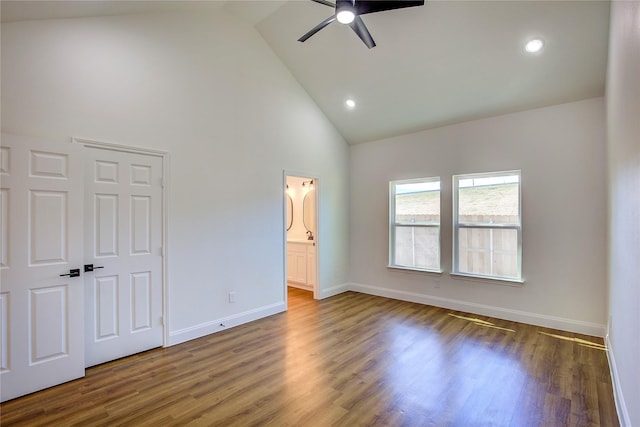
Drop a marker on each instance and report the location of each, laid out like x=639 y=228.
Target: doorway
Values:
x=301 y=233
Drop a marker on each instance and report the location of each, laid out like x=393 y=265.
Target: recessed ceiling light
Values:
x=533 y=46
x=350 y=103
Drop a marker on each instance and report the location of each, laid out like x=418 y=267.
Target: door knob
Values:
x=74 y=272
x=90 y=267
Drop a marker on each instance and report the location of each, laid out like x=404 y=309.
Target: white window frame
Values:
x=393 y=224
x=457 y=225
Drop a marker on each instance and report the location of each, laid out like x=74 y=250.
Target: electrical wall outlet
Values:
x=232 y=297
x=436 y=283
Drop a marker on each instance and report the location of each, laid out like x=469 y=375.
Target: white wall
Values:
x=623 y=125
x=297 y=192
x=561 y=152
x=205 y=87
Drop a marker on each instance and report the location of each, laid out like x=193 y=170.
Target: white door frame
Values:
x=316 y=182
x=164 y=155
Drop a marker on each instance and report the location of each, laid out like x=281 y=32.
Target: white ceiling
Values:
x=442 y=63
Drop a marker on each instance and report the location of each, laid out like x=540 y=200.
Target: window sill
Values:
x=414 y=270
x=518 y=283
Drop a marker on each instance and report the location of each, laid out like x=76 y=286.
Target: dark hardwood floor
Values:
x=350 y=360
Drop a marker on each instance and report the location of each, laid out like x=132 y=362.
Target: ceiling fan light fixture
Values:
x=345 y=15
x=533 y=46
x=349 y=12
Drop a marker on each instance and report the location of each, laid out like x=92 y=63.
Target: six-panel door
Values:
x=123 y=242
x=41 y=311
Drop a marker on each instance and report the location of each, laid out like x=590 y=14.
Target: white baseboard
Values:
x=213 y=326
x=203 y=329
x=621 y=406
x=335 y=290
x=300 y=286
x=553 y=322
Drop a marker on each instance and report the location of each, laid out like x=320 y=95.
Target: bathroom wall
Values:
x=297 y=192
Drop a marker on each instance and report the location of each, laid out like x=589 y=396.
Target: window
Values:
x=414 y=224
x=487 y=225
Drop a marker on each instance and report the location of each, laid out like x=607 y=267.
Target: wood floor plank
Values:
x=350 y=360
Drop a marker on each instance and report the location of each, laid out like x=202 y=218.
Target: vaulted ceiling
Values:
x=442 y=63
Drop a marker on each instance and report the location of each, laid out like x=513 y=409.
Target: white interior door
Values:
x=123 y=242
x=41 y=311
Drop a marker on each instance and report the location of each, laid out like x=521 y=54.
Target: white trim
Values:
x=457 y=225
x=569 y=325
x=393 y=224
x=207 y=328
x=317 y=240
x=302 y=286
x=285 y=242
x=334 y=290
x=118 y=147
x=166 y=159
x=164 y=155
x=618 y=397
x=506 y=281
x=403 y=269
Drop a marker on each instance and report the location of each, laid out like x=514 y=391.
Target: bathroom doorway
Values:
x=301 y=234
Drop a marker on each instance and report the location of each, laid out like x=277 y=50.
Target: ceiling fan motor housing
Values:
x=352 y=10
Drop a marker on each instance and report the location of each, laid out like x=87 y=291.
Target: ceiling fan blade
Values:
x=325 y=2
x=372 y=6
x=317 y=28
x=361 y=30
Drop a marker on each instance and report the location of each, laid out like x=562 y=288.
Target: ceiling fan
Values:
x=349 y=11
